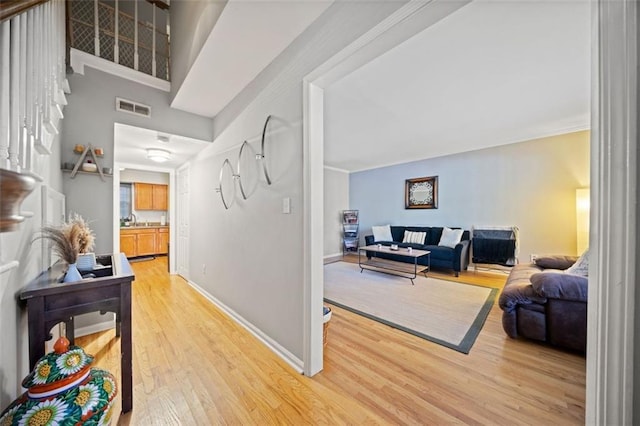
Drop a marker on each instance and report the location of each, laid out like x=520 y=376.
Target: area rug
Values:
x=445 y=312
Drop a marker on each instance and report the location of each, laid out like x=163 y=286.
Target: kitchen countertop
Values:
x=151 y=225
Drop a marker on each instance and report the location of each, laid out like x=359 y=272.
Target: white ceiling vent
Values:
x=132 y=107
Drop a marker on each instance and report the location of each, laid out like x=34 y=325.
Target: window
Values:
x=125 y=200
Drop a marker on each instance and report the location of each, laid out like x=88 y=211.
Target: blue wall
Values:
x=528 y=184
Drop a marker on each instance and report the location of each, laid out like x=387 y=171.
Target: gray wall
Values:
x=89 y=119
x=636 y=372
x=336 y=199
x=252 y=253
x=528 y=184
x=191 y=24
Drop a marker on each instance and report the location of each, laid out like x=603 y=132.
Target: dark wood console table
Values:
x=50 y=302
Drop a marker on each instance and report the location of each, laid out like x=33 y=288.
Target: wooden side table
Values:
x=50 y=302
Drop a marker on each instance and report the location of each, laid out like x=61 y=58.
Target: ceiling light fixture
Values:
x=158 y=155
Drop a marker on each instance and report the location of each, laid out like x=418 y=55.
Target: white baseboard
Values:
x=95 y=328
x=486 y=267
x=333 y=257
x=278 y=349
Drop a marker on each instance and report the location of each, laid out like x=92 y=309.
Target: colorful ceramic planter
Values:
x=63 y=389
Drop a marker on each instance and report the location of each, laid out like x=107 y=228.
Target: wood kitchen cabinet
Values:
x=128 y=244
x=147 y=242
x=160 y=197
x=151 y=196
x=163 y=241
x=144 y=241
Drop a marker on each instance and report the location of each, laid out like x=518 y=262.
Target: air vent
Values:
x=132 y=107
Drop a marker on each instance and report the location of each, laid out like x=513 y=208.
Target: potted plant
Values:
x=68 y=241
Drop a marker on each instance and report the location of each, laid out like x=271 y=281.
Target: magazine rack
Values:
x=350 y=234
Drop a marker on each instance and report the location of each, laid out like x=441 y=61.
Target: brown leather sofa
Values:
x=546 y=304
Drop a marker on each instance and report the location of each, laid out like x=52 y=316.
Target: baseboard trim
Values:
x=487 y=267
x=275 y=347
x=95 y=328
x=333 y=257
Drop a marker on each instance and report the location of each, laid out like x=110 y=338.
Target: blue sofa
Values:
x=456 y=258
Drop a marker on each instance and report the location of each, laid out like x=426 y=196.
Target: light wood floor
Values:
x=193 y=365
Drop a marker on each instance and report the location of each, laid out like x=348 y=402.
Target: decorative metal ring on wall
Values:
x=219 y=189
x=261 y=155
x=244 y=144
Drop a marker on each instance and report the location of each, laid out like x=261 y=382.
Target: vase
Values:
x=72 y=274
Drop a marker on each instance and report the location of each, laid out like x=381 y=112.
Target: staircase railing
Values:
x=32 y=81
x=10 y=8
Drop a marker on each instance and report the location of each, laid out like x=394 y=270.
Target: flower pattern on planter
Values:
x=72 y=361
x=45 y=413
x=88 y=398
x=42 y=371
x=63 y=390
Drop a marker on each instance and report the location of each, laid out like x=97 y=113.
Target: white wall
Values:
x=132 y=176
x=336 y=199
x=191 y=24
x=528 y=184
x=19 y=246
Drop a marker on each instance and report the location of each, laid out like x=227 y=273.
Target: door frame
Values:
x=612 y=323
x=185 y=166
x=172 y=206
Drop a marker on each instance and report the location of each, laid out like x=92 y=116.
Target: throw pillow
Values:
x=560 y=285
x=555 y=261
x=382 y=233
x=414 y=237
x=450 y=237
x=581 y=267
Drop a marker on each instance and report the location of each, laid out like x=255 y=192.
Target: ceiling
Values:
x=492 y=73
x=132 y=143
x=247 y=36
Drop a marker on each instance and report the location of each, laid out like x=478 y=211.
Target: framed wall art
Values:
x=421 y=193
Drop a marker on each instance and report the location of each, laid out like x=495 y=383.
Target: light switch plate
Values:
x=286 y=205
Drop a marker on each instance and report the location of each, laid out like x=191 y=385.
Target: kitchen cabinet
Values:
x=128 y=244
x=144 y=241
x=147 y=242
x=163 y=241
x=160 y=197
x=150 y=196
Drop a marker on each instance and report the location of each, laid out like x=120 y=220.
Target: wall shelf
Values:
x=80 y=172
x=77 y=168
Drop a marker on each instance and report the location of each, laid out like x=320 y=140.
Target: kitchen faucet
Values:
x=135 y=219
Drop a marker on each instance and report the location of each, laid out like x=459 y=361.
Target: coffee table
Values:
x=392 y=267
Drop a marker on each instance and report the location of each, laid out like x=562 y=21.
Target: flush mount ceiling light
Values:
x=158 y=155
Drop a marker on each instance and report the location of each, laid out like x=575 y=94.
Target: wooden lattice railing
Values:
x=132 y=34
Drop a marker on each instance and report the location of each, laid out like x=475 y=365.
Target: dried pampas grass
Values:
x=69 y=239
